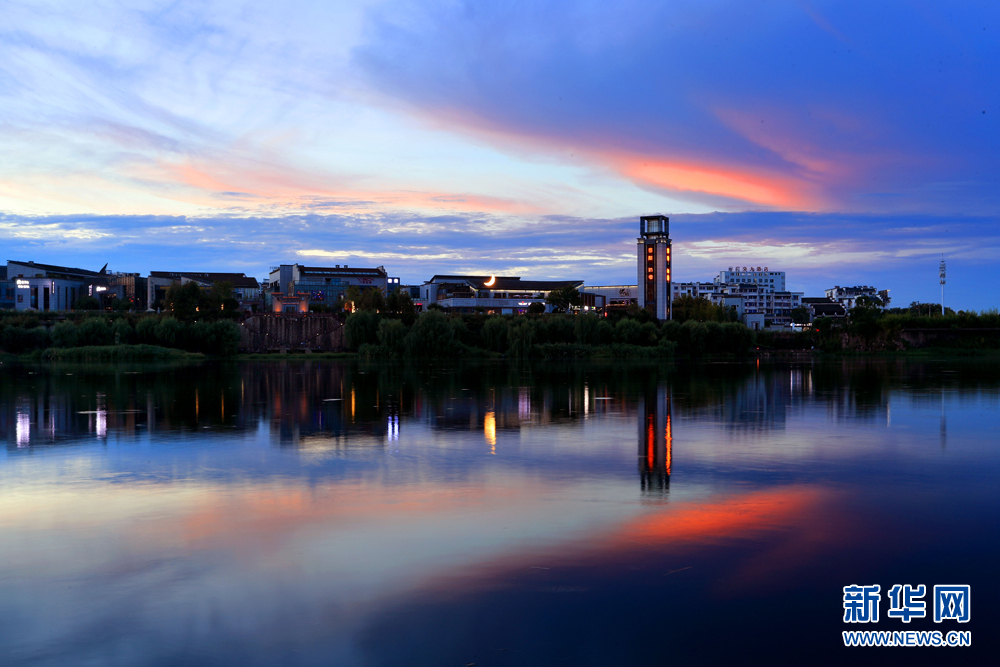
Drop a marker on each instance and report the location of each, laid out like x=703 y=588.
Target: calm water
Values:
x=325 y=513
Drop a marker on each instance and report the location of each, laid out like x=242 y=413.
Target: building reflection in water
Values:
x=655 y=441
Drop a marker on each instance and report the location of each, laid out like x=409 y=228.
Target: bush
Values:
x=520 y=339
x=122 y=332
x=221 y=337
x=361 y=327
x=145 y=330
x=391 y=334
x=16 y=339
x=586 y=329
x=94 y=331
x=87 y=303
x=64 y=334
x=170 y=333
x=628 y=331
x=494 y=333
x=432 y=335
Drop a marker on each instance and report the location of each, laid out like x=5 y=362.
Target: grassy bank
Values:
x=111 y=353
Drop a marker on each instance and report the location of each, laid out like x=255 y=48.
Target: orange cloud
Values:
x=265 y=185
x=744 y=185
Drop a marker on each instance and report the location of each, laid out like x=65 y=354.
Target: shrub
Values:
x=432 y=335
x=391 y=334
x=628 y=331
x=64 y=334
x=361 y=327
x=520 y=339
x=170 y=333
x=586 y=329
x=494 y=333
x=122 y=332
x=94 y=331
x=145 y=330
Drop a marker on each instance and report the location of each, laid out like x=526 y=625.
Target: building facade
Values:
x=50 y=287
x=246 y=290
x=757 y=294
x=610 y=298
x=848 y=296
x=498 y=295
x=653 y=265
x=324 y=285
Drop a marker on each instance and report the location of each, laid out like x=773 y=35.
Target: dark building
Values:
x=246 y=290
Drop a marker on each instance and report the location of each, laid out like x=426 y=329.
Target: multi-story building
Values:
x=823 y=307
x=246 y=290
x=761 y=276
x=129 y=287
x=611 y=297
x=324 y=285
x=51 y=287
x=757 y=294
x=848 y=296
x=493 y=294
x=7 y=287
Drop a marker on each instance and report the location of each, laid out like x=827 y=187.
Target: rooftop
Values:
x=507 y=283
x=237 y=279
x=59 y=269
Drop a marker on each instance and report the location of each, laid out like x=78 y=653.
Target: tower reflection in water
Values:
x=655 y=441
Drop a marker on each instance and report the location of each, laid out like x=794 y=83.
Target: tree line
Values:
x=377 y=335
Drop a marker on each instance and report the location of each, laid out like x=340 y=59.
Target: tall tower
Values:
x=654 y=265
x=942 y=285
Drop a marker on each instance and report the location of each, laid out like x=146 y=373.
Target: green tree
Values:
x=494 y=333
x=628 y=331
x=400 y=303
x=432 y=335
x=562 y=299
x=391 y=334
x=520 y=339
x=87 y=303
x=800 y=315
x=183 y=301
x=122 y=332
x=361 y=327
x=536 y=308
x=699 y=309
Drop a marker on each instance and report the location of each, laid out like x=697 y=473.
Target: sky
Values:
x=842 y=142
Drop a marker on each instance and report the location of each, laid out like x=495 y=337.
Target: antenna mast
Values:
x=942 y=285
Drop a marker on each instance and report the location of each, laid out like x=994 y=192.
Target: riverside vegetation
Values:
x=390 y=328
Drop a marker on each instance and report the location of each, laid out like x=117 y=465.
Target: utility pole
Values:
x=942 y=285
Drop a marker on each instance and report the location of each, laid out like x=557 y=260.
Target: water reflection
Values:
x=655 y=441
x=306 y=511
x=314 y=405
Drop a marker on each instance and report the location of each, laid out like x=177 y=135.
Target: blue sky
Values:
x=845 y=143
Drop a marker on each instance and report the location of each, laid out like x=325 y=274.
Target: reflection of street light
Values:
x=492 y=281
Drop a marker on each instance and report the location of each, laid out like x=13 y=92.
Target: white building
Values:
x=761 y=276
x=757 y=294
x=848 y=296
x=612 y=296
x=49 y=287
